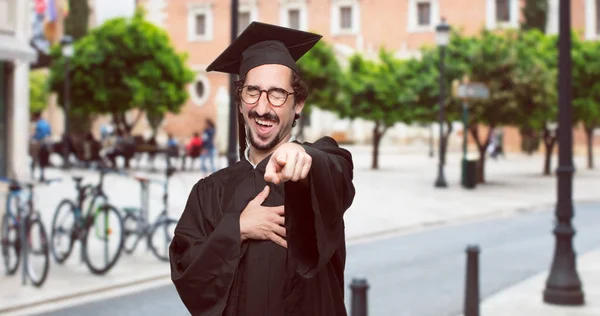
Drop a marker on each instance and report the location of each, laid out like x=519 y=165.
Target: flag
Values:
x=51 y=11
x=40 y=6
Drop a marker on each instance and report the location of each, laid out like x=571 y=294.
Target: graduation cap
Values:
x=262 y=44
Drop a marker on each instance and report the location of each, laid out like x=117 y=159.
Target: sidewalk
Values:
x=526 y=298
x=400 y=197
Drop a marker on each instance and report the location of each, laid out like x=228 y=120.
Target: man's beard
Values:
x=262 y=147
x=253 y=138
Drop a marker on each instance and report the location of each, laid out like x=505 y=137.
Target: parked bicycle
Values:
x=101 y=223
x=159 y=234
x=23 y=234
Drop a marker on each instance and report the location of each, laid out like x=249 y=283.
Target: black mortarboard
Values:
x=262 y=44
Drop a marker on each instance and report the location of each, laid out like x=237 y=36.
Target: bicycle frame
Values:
x=143 y=224
x=24 y=201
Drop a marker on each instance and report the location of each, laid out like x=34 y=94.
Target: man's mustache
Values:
x=266 y=117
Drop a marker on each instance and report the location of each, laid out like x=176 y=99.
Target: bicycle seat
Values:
x=77 y=179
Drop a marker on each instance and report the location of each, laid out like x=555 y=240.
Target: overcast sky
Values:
x=108 y=9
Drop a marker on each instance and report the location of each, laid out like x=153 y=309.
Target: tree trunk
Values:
x=589 y=133
x=378 y=132
x=549 y=142
x=482 y=148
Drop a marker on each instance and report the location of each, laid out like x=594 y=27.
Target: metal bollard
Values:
x=359 y=289
x=472 y=282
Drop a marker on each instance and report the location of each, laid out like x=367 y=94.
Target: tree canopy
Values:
x=125 y=63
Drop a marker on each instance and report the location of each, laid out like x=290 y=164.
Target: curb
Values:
x=403 y=230
x=98 y=290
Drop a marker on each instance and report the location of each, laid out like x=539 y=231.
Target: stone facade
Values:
x=15 y=57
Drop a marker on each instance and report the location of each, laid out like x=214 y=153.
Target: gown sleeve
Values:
x=203 y=257
x=314 y=213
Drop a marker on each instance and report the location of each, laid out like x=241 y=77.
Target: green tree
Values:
x=535 y=88
x=535 y=15
x=374 y=94
x=456 y=64
x=492 y=62
x=586 y=89
x=76 y=24
x=38 y=91
x=125 y=63
x=323 y=75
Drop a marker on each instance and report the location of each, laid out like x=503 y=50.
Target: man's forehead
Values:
x=271 y=75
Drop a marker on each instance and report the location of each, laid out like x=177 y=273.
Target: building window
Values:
x=243 y=21
x=502 y=11
x=502 y=14
x=293 y=14
x=294 y=18
x=423 y=15
x=247 y=12
x=345 y=17
x=200 y=22
x=199 y=90
x=424 y=11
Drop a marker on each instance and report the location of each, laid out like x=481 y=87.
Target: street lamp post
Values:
x=465 y=121
x=442 y=39
x=431 y=140
x=67 y=52
x=233 y=117
x=563 y=286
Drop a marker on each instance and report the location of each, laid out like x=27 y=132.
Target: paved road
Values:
x=420 y=273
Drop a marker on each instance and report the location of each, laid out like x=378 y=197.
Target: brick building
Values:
x=202 y=29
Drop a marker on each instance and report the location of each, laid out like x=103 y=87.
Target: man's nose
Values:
x=262 y=105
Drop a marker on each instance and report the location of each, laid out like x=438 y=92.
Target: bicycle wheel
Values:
x=103 y=239
x=38 y=254
x=62 y=231
x=130 y=233
x=10 y=244
x=161 y=236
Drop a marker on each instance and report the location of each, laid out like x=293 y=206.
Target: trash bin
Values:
x=469 y=167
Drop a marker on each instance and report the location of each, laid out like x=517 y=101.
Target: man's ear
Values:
x=299 y=107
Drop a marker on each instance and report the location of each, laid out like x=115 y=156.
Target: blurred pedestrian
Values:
x=172 y=149
x=40 y=145
x=208 y=147
x=193 y=149
x=497 y=144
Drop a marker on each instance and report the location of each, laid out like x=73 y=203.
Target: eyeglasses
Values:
x=276 y=96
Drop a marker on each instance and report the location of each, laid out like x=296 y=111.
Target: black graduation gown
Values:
x=216 y=274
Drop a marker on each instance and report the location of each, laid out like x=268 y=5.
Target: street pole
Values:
x=441 y=180
x=232 y=155
x=430 y=140
x=465 y=118
x=563 y=286
x=66 y=149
